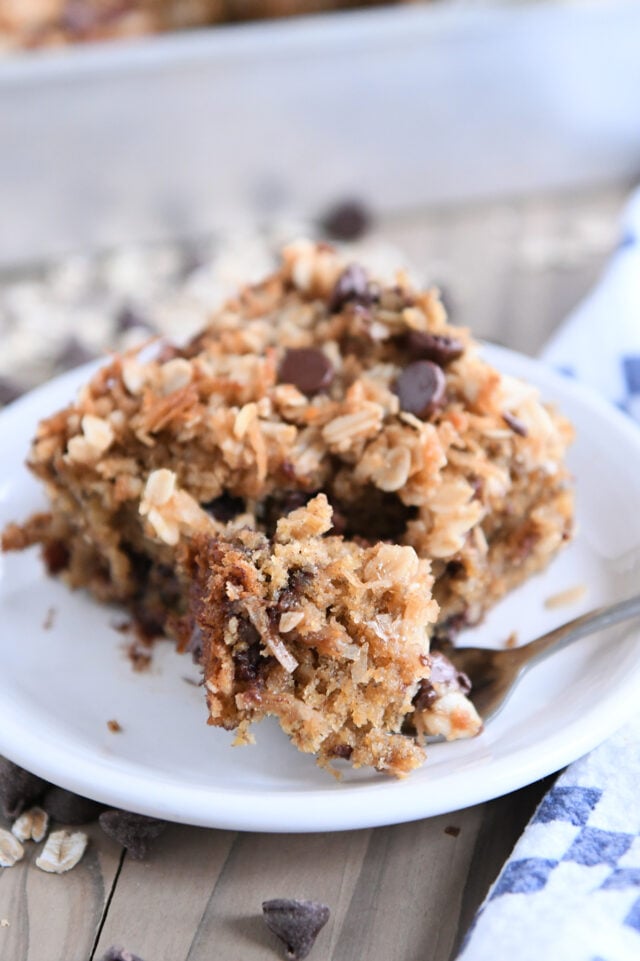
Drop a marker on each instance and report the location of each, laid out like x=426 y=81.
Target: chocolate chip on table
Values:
x=353 y=287
x=439 y=348
x=69 y=808
x=421 y=388
x=19 y=789
x=516 y=425
x=297 y=923
x=347 y=220
x=307 y=368
x=119 y=954
x=135 y=832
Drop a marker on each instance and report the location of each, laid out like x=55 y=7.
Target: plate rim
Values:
x=271 y=810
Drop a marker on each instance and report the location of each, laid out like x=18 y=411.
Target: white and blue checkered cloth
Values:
x=571 y=889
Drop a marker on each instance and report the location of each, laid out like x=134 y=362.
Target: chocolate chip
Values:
x=297 y=923
x=129 y=319
x=135 y=832
x=342 y=750
x=307 y=368
x=348 y=220
x=119 y=954
x=516 y=425
x=73 y=354
x=421 y=388
x=9 y=390
x=444 y=672
x=425 y=697
x=353 y=287
x=56 y=556
x=225 y=507
x=439 y=348
x=70 y=808
x=19 y=789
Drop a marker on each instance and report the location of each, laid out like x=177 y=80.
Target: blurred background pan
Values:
x=401 y=105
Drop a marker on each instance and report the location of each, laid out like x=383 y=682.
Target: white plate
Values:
x=60 y=686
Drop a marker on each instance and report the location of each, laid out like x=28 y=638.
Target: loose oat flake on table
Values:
x=32 y=825
x=323 y=479
x=62 y=851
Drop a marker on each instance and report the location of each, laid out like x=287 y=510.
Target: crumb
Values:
x=452 y=831
x=512 y=640
x=49 y=619
x=122 y=627
x=569 y=596
x=114 y=726
x=4 y=923
x=140 y=659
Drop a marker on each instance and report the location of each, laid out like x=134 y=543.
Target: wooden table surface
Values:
x=511 y=270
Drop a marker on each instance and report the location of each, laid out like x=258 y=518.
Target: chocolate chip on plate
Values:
x=69 y=808
x=19 y=789
x=347 y=220
x=135 y=832
x=439 y=348
x=421 y=388
x=307 y=368
x=353 y=287
x=297 y=923
x=119 y=954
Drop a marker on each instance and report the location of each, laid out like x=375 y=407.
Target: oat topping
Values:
x=32 y=825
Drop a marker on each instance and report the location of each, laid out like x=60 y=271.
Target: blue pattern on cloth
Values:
x=571 y=889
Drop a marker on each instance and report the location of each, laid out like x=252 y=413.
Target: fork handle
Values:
x=580 y=626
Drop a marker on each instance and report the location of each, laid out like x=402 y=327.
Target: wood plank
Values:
x=159 y=902
x=56 y=917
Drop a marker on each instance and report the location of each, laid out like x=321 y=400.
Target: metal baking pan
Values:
x=401 y=106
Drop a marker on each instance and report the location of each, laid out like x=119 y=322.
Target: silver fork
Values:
x=495 y=673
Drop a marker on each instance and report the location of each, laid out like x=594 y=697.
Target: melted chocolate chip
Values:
x=353 y=287
x=348 y=220
x=421 y=388
x=135 y=832
x=56 y=556
x=516 y=425
x=19 y=789
x=225 y=507
x=342 y=750
x=69 y=808
x=296 y=923
x=249 y=660
x=308 y=369
x=279 y=505
x=426 y=696
x=439 y=348
x=444 y=672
